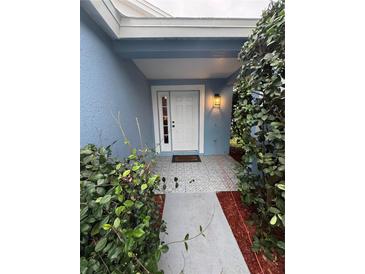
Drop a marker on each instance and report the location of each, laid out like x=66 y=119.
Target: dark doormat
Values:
x=185 y=158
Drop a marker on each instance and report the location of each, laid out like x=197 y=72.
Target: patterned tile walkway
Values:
x=212 y=174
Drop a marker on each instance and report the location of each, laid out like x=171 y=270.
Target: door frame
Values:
x=200 y=89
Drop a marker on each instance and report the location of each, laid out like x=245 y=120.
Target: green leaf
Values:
x=85 y=228
x=83 y=212
x=120 y=197
x=282 y=218
x=136 y=167
x=281 y=244
x=106 y=226
x=128 y=203
x=95 y=230
x=143 y=187
x=116 y=223
x=100 y=181
x=118 y=190
x=108 y=247
x=132 y=157
x=116 y=253
x=119 y=210
x=118 y=166
x=138 y=233
x=273 y=220
x=105 y=199
x=268 y=56
x=126 y=173
x=152 y=179
x=164 y=248
x=138 y=204
x=100 y=190
x=86 y=151
x=101 y=244
x=105 y=220
x=280 y=186
x=274 y=210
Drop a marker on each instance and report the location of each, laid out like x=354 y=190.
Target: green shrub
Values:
x=260 y=127
x=119 y=219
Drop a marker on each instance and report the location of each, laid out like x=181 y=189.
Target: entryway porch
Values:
x=214 y=173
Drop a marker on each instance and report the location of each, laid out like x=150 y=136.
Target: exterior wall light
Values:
x=217 y=101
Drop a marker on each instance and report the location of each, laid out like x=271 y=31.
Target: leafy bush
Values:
x=259 y=126
x=119 y=219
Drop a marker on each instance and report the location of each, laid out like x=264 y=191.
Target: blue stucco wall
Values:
x=217 y=121
x=108 y=83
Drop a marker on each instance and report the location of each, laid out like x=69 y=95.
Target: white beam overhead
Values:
x=185 y=27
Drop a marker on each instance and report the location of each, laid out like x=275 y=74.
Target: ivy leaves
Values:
x=259 y=125
x=104 y=200
x=126 y=173
x=101 y=244
x=119 y=219
x=138 y=233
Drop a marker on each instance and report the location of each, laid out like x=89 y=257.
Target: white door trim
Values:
x=200 y=88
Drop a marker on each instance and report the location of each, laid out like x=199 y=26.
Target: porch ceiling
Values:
x=187 y=68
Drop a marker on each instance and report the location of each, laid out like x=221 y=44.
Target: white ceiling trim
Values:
x=119 y=26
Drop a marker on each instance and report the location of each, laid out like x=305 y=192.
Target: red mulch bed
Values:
x=160 y=200
x=236 y=153
x=236 y=215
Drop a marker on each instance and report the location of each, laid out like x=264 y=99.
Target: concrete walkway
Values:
x=217 y=253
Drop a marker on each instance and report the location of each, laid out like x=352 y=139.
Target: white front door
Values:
x=178 y=117
x=184 y=120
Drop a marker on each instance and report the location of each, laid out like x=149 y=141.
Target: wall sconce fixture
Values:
x=217 y=101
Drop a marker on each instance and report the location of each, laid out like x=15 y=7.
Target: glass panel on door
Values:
x=164 y=118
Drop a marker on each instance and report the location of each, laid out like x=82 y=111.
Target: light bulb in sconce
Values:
x=217 y=101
